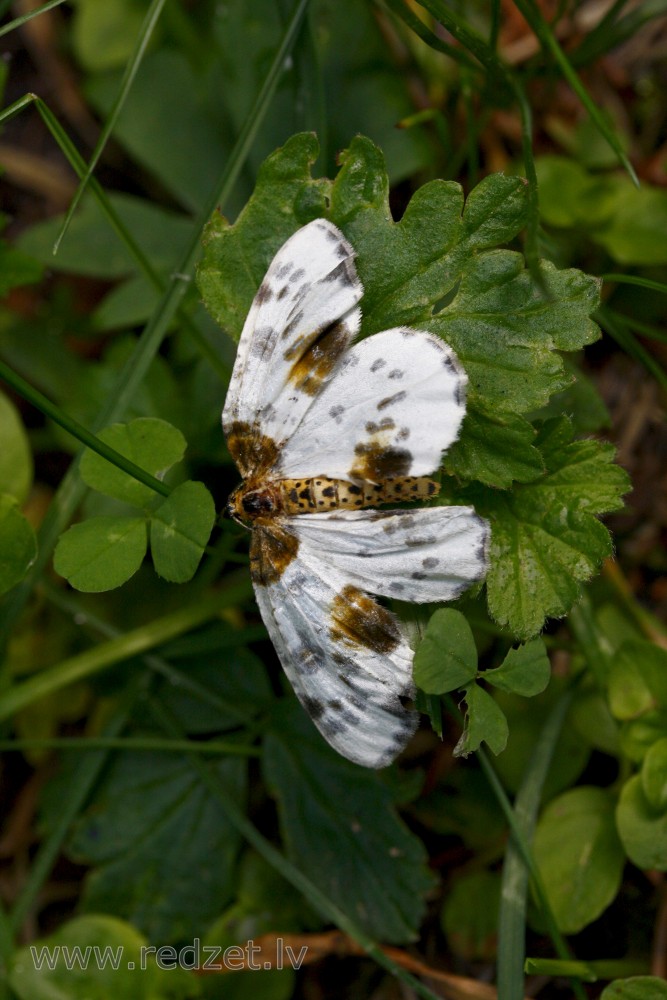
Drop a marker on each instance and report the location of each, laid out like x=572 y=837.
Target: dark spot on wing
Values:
x=430 y=562
x=297 y=275
x=421 y=540
x=358 y=620
x=378 y=364
x=289 y=330
x=331 y=727
x=398 y=397
x=336 y=413
x=272 y=549
x=264 y=293
x=313 y=706
x=343 y=273
x=396 y=587
x=252 y=451
x=284 y=269
x=418 y=575
x=386 y=424
x=319 y=359
x=376 y=463
x=283 y=292
x=396 y=373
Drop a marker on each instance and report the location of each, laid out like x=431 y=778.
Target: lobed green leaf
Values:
x=546 y=539
x=339 y=824
x=152 y=815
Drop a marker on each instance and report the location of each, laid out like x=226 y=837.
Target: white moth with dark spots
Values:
x=323 y=431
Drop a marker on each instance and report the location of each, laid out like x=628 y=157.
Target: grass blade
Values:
x=549 y=42
x=18 y=21
x=131 y=70
x=620 y=329
x=139 y=640
x=519 y=866
x=78 y=431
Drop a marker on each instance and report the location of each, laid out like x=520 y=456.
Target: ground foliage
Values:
x=204 y=806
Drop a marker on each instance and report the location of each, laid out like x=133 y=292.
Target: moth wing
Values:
x=345 y=656
x=427 y=554
x=393 y=406
x=301 y=321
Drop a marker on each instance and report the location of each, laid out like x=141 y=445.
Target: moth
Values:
x=324 y=431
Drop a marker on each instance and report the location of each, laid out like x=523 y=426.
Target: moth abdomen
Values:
x=321 y=493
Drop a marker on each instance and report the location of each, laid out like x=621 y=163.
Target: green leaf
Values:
x=339 y=824
x=579 y=856
x=110 y=961
x=506 y=332
x=18 y=543
x=470 y=916
x=149 y=442
x=16 y=269
x=151 y=814
x=235 y=258
x=446 y=658
x=642 y=829
x=581 y=401
x=180 y=529
x=15 y=455
x=654 y=776
x=594 y=723
x=546 y=539
x=526 y=721
x=638 y=679
x=169 y=97
x=639 y=735
x=93 y=248
x=495 y=448
x=629 y=222
x=525 y=671
x=104 y=35
x=484 y=722
x=101 y=553
x=636 y=988
x=504 y=329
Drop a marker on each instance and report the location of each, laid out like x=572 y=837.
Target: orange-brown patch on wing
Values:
x=252 y=451
x=318 y=360
x=272 y=549
x=375 y=462
x=358 y=620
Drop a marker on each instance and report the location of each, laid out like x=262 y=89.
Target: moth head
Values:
x=248 y=504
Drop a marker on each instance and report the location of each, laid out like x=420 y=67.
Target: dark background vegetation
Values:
x=88 y=831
